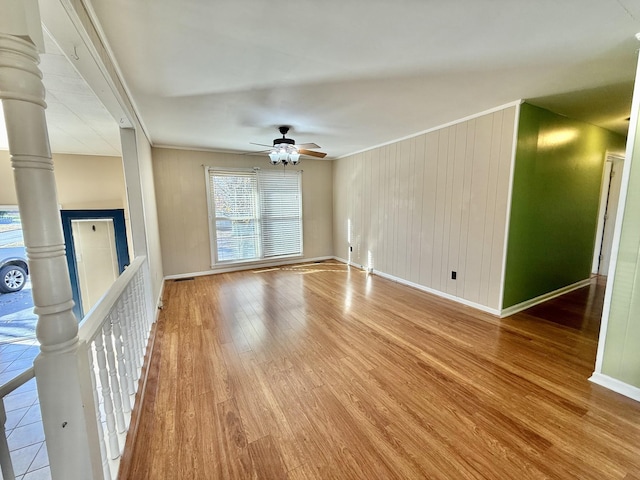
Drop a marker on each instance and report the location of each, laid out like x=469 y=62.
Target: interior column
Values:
x=69 y=435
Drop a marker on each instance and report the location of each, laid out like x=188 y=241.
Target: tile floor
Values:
x=24 y=424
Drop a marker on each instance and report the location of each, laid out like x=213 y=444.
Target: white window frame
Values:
x=213 y=240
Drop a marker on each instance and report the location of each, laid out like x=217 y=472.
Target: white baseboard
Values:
x=252 y=266
x=432 y=291
x=616 y=385
x=159 y=301
x=505 y=312
x=351 y=264
x=438 y=293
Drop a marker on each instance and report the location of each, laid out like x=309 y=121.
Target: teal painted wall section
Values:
x=554 y=208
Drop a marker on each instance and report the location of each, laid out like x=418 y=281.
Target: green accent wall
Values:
x=554 y=207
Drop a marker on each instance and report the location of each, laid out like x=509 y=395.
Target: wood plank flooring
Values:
x=322 y=372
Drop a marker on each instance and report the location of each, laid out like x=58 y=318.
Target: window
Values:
x=254 y=215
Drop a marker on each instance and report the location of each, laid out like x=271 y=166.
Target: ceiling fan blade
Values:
x=307 y=145
x=260 y=152
x=311 y=153
x=261 y=144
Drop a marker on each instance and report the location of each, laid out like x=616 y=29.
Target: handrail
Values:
x=16 y=382
x=93 y=320
x=112 y=341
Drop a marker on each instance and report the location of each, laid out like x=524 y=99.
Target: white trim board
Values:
x=605 y=184
x=505 y=312
x=507 y=223
x=159 y=303
x=617 y=386
x=417 y=286
x=353 y=264
x=604 y=204
x=252 y=266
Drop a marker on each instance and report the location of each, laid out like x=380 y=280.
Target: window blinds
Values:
x=236 y=218
x=280 y=213
x=256 y=214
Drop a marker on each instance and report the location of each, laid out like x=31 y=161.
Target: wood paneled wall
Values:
x=182 y=205
x=423 y=207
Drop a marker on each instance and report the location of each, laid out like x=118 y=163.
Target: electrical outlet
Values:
x=453 y=275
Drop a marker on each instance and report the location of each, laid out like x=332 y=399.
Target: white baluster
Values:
x=126 y=343
x=103 y=446
x=113 y=374
x=140 y=323
x=140 y=320
x=123 y=374
x=5 y=458
x=114 y=449
x=143 y=312
x=131 y=314
x=142 y=303
x=133 y=342
x=143 y=291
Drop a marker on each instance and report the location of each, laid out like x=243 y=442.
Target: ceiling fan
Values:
x=285 y=150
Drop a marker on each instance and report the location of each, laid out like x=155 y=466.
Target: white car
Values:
x=13 y=269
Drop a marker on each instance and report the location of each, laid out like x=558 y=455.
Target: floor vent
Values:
x=183 y=279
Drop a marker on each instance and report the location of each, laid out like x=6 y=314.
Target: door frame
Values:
x=602 y=210
x=122 y=249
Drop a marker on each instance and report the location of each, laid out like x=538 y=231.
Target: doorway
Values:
x=97 y=253
x=609 y=197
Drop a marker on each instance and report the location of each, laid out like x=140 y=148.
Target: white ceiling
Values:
x=77 y=121
x=349 y=74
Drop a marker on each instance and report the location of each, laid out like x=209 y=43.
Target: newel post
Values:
x=70 y=436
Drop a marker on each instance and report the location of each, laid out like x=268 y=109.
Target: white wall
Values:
x=420 y=208
x=150 y=208
x=182 y=205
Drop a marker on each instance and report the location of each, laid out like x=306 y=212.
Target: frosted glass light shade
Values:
x=294 y=158
x=275 y=158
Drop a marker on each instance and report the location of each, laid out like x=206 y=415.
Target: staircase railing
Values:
x=112 y=343
x=113 y=339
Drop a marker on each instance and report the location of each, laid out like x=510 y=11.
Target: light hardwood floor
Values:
x=323 y=372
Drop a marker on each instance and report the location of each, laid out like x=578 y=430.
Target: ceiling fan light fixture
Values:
x=285 y=150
